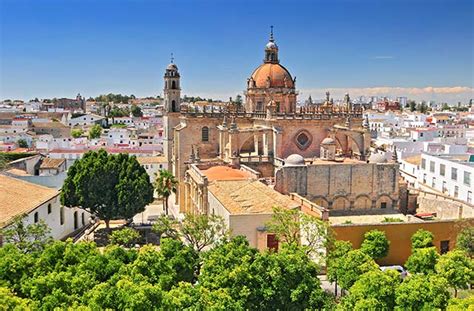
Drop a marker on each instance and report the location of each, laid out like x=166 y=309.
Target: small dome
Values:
x=377 y=158
x=328 y=141
x=271 y=46
x=172 y=66
x=294 y=159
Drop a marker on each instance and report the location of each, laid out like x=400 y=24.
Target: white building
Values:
x=450 y=174
x=86 y=120
x=37 y=202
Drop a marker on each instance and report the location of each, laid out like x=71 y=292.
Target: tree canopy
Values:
x=422 y=260
x=457 y=268
x=108 y=186
x=465 y=240
x=375 y=244
x=95 y=131
x=421 y=239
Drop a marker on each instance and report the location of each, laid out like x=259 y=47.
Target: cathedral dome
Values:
x=276 y=74
x=294 y=159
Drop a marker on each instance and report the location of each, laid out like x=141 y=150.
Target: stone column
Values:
x=265 y=144
x=255 y=140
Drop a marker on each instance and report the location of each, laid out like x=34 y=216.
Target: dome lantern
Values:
x=271 y=50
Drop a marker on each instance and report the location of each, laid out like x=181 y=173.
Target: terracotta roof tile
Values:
x=19 y=197
x=248 y=197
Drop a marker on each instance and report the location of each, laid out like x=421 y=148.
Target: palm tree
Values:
x=165 y=184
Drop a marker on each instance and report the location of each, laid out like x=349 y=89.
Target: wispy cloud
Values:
x=383 y=57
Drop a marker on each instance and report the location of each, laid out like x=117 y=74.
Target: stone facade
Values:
x=343 y=187
x=259 y=136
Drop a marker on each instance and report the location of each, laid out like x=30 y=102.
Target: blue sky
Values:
x=55 y=48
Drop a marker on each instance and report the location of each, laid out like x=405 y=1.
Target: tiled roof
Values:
x=19 y=197
x=225 y=173
x=248 y=197
x=52 y=163
x=151 y=160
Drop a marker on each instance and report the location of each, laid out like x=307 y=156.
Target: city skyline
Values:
x=54 y=49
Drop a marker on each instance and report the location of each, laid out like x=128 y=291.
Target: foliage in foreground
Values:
x=231 y=276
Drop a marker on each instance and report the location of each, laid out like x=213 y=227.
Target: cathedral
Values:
x=270 y=137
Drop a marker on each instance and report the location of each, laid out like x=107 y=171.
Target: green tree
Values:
x=465 y=240
x=421 y=292
x=336 y=252
x=76 y=133
x=22 y=143
x=373 y=285
x=109 y=186
x=422 y=260
x=3 y=162
x=126 y=237
x=201 y=231
x=412 y=105
x=27 y=237
x=293 y=227
x=422 y=239
x=95 y=131
x=165 y=185
x=166 y=226
x=136 y=111
x=457 y=268
x=352 y=266
x=9 y=301
x=375 y=244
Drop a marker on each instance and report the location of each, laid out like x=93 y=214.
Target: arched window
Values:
x=61 y=215
x=205 y=134
x=173 y=85
x=173 y=106
x=83 y=219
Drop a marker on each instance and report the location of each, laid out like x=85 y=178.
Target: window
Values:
x=83 y=219
x=383 y=205
x=433 y=182
x=61 y=215
x=442 y=169
x=454 y=173
x=49 y=208
x=432 y=166
x=36 y=217
x=467 y=178
x=272 y=242
x=424 y=178
x=456 y=191
x=444 y=246
x=75 y=221
x=205 y=134
x=445 y=189
x=469 y=197
x=423 y=163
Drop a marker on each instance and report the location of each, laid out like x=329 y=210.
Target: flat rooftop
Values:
x=248 y=197
x=369 y=219
x=341 y=160
x=222 y=172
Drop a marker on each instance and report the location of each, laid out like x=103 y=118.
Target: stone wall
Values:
x=341 y=186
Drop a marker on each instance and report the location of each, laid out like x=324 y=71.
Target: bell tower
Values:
x=171 y=108
x=172 y=90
